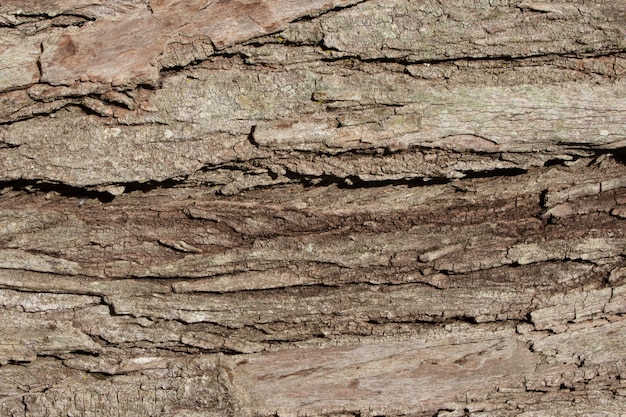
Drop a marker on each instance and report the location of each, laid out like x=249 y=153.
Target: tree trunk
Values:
x=288 y=207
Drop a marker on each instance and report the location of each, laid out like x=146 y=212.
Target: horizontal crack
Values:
x=458 y=59
x=65 y=190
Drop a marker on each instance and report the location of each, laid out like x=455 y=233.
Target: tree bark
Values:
x=323 y=208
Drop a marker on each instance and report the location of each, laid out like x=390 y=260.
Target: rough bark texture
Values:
x=288 y=207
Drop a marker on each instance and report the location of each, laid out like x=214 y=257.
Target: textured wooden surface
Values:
x=215 y=208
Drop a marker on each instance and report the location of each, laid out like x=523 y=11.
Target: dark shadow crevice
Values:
x=32 y=186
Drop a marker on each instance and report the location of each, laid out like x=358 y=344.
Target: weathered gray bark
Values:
x=312 y=207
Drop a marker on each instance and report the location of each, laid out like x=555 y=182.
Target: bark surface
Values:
x=325 y=208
